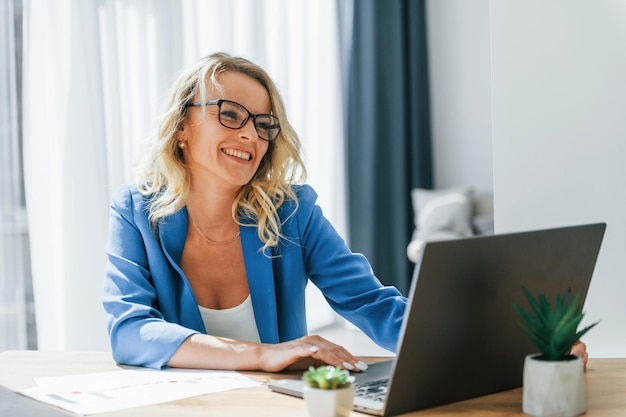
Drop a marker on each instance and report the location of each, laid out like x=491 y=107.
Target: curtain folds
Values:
x=65 y=176
x=387 y=128
x=17 y=324
x=95 y=76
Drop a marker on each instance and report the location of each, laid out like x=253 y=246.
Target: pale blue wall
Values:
x=559 y=135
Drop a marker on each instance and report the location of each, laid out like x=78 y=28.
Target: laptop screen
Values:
x=461 y=337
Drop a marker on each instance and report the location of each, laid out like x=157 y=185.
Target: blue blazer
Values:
x=151 y=308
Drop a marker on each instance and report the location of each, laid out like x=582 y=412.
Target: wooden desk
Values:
x=606 y=390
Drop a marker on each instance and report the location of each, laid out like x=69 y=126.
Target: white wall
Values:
x=459 y=70
x=559 y=135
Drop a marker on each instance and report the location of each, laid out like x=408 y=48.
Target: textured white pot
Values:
x=329 y=403
x=554 y=388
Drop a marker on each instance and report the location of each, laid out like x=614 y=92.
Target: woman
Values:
x=210 y=253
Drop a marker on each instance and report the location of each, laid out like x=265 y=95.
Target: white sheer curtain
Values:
x=95 y=75
x=16 y=306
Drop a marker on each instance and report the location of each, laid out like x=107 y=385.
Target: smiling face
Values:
x=218 y=156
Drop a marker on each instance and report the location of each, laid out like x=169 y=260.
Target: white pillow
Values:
x=442 y=210
x=440 y=214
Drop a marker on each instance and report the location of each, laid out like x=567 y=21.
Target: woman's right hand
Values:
x=307 y=351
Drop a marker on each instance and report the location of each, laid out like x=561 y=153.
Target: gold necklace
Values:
x=210 y=240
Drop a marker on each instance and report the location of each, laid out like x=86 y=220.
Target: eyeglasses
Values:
x=234 y=116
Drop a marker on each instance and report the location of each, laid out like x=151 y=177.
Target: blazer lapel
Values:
x=261 y=282
x=173 y=233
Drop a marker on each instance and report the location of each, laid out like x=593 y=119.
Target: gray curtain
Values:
x=387 y=128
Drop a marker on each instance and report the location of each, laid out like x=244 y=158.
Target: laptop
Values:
x=460 y=336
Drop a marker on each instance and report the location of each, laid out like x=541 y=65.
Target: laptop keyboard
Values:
x=372 y=390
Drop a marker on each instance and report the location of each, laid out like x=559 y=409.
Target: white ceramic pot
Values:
x=554 y=388
x=329 y=403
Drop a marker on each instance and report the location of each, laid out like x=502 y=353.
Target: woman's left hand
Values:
x=580 y=349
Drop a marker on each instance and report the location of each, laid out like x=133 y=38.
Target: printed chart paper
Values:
x=110 y=391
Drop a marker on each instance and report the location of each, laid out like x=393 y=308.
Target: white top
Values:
x=235 y=323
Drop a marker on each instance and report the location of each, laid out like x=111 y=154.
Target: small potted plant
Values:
x=553 y=381
x=329 y=391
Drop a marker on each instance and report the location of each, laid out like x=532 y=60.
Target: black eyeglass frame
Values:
x=250 y=115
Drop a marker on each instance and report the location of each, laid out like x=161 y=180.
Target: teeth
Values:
x=238 y=154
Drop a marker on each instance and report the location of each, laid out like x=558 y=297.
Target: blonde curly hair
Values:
x=165 y=178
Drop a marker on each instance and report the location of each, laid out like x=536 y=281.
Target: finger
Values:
x=580 y=349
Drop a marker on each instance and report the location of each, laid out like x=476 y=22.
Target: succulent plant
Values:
x=552 y=329
x=327 y=377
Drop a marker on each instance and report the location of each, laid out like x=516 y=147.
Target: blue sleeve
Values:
x=345 y=278
x=138 y=333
